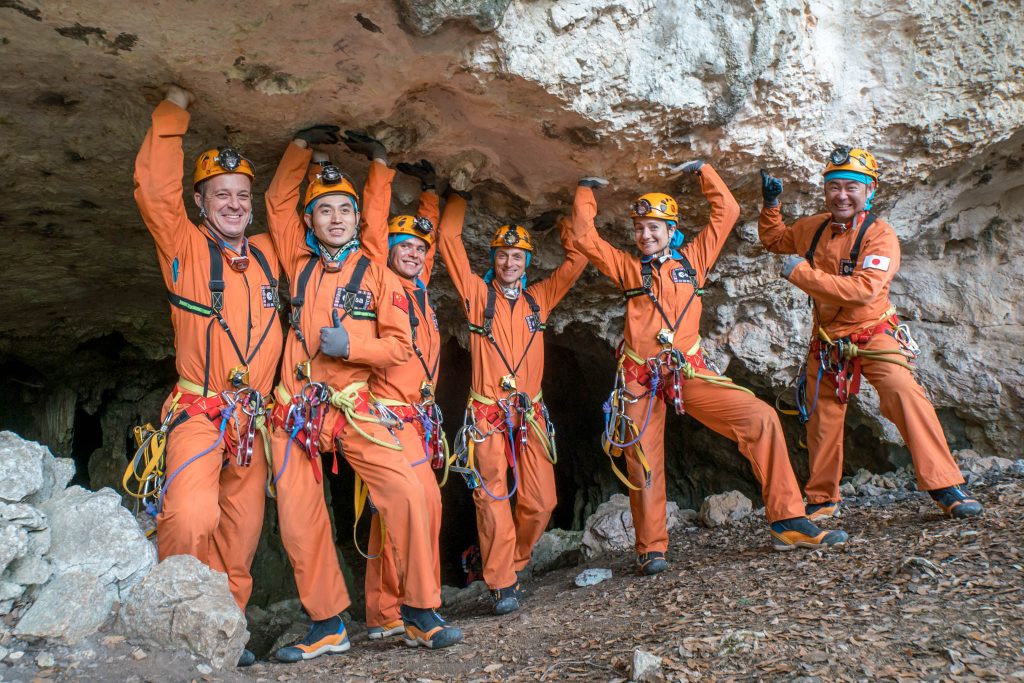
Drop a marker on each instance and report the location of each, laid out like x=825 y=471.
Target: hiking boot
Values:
x=507 y=599
x=392 y=628
x=956 y=502
x=426 y=628
x=800 y=532
x=651 y=563
x=325 y=637
x=816 y=511
x=248 y=658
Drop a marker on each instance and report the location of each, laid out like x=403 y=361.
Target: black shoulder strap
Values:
x=299 y=296
x=855 y=253
x=647 y=277
x=264 y=265
x=357 y=274
x=487 y=323
x=814 y=242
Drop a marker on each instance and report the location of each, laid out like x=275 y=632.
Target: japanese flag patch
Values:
x=876 y=262
x=400 y=301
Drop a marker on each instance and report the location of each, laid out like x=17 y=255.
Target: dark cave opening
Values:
x=86 y=439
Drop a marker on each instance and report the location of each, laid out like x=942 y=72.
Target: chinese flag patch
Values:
x=400 y=301
x=876 y=262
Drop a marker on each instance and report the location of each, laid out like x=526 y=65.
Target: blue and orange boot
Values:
x=826 y=510
x=956 y=502
x=325 y=637
x=426 y=628
x=800 y=532
x=651 y=563
x=392 y=628
x=507 y=599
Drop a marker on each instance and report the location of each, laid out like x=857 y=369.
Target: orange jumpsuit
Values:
x=734 y=414
x=398 y=387
x=506 y=541
x=852 y=304
x=213 y=508
x=379 y=341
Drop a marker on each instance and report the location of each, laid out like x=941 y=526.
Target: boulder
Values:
x=610 y=528
x=24 y=538
x=646 y=667
x=183 y=604
x=724 y=508
x=556 y=548
x=983 y=465
x=93 y=533
x=21 y=467
x=69 y=608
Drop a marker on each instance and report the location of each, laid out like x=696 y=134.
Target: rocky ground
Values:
x=912 y=597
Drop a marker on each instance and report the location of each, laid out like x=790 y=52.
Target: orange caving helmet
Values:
x=329 y=180
x=415 y=226
x=512 y=236
x=220 y=160
x=851 y=159
x=655 y=205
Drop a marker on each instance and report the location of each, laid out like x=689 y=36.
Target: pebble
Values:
x=139 y=654
x=44 y=660
x=646 y=666
x=204 y=669
x=593 y=576
x=16 y=655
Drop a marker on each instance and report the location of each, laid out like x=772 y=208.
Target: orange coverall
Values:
x=400 y=384
x=845 y=305
x=734 y=414
x=211 y=511
x=385 y=341
x=506 y=542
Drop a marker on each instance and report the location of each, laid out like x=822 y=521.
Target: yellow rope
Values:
x=345 y=401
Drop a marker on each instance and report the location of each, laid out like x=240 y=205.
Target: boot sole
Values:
x=381 y=635
x=786 y=547
x=445 y=638
x=322 y=650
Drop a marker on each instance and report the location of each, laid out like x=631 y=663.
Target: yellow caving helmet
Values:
x=220 y=160
x=512 y=236
x=416 y=226
x=329 y=180
x=655 y=205
x=851 y=159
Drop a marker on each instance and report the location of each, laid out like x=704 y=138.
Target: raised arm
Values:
x=705 y=248
x=158 y=171
x=373 y=233
x=553 y=288
x=878 y=266
x=611 y=261
x=282 y=200
x=453 y=251
x=771 y=229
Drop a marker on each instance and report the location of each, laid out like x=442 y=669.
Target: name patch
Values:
x=533 y=322
x=359 y=301
x=269 y=296
x=681 y=275
x=846 y=267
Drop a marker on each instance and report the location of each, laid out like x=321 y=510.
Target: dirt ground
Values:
x=912 y=597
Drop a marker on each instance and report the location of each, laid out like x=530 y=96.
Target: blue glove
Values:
x=334 y=340
x=771 y=188
x=790 y=263
x=688 y=167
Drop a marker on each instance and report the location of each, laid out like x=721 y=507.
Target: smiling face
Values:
x=407 y=257
x=509 y=265
x=227 y=200
x=651 y=235
x=846 y=198
x=333 y=220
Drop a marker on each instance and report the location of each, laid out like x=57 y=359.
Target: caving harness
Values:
x=425 y=415
x=145 y=478
x=661 y=376
x=302 y=416
x=841 y=359
x=515 y=415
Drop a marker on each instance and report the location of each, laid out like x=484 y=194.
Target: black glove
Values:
x=320 y=134
x=361 y=143
x=771 y=188
x=422 y=169
x=593 y=182
x=334 y=341
x=465 y=194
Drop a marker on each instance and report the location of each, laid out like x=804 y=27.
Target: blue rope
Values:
x=288 y=449
x=225 y=416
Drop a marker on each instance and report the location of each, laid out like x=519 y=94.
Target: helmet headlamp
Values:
x=330 y=175
x=422 y=225
x=642 y=207
x=229 y=159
